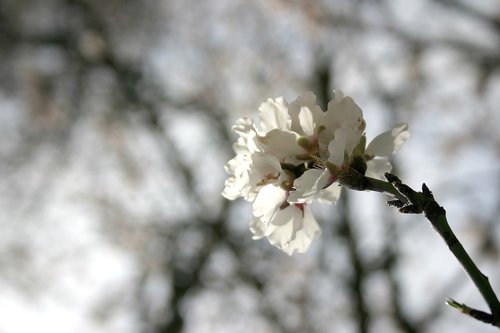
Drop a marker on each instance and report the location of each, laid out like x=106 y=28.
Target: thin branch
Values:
x=423 y=202
x=474 y=313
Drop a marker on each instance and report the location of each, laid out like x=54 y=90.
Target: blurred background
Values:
x=115 y=125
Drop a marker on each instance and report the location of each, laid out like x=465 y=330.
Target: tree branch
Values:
x=423 y=202
x=412 y=202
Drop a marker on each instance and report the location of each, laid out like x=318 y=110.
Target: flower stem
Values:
x=359 y=182
x=410 y=201
x=385 y=187
x=423 y=202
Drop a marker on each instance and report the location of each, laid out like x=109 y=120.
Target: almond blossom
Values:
x=295 y=155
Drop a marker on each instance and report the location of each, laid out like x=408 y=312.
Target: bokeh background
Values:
x=115 y=125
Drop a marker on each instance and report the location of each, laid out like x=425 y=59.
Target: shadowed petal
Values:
x=292 y=229
x=389 y=142
x=308 y=185
x=330 y=194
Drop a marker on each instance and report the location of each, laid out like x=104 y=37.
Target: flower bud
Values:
x=358 y=158
x=305 y=143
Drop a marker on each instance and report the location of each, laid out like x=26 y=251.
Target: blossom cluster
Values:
x=296 y=154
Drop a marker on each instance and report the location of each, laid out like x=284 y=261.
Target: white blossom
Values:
x=294 y=156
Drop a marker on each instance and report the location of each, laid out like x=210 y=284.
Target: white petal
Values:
x=305 y=114
x=350 y=111
x=337 y=147
x=304 y=234
x=231 y=192
x=376 y=168
x=268 y=201
x=310 y=227
x=243 y=125
x=291 y=229
x=307 y=122
x=308 y=185
x=338 y=95
x=330 y=194
x=274 y=114
x=352 y=139
x=240 y=146
x=390 y=141
x=232 y=164
x=307 y=98
x=341 y=112
x=280 y=231
x=297 y=234
x=238 y=184
x=246 y=142
x=281 y=144
x=264 y=167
